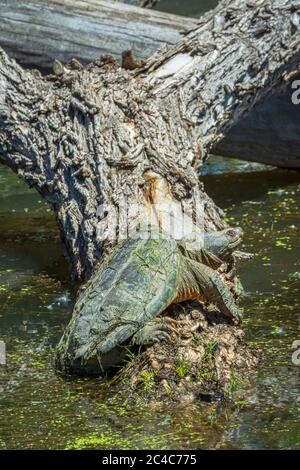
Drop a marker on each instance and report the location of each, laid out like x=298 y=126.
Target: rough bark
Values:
x=93 y=141
x=239 y=54
x=270 y=134
x=37 y=32
x=142 y=3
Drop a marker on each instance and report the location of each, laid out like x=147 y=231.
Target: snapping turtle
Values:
x=143 y=275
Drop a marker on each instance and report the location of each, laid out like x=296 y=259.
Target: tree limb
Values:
x=21 y=95
x=39 y=31
x=142 y=3
x=270 y=134
x=239 y=54
x=35 y=36
x=99 y=139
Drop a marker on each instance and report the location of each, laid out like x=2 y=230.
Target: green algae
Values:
x=42 y=409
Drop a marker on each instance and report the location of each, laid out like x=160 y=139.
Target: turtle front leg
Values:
x=154 y=331
x=203 y=283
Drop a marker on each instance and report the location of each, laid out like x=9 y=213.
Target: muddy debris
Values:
x=208 y=359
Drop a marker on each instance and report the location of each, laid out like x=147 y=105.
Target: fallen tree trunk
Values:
x=37 y=32
x=62 y=30
x=269 y=135
x=88 y=138
x=142 y=3
x=109 y=148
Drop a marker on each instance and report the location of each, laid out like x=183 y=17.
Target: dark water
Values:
x=39 y=409
x=186 y=7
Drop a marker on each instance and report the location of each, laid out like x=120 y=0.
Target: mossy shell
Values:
x=132 y=286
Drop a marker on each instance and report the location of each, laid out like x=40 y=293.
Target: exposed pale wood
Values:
x=92 y=141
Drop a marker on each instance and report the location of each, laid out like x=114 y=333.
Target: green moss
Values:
x=232 y=386
x=210 y=349
x=203 y=374
x=147 y=379
x=168 y=389
x=197 y=339
x=182 y=369
x=130 y=355
x=96 y=440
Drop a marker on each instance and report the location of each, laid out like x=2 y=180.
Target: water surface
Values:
x=39 y=409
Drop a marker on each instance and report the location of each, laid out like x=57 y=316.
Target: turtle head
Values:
x=224 y=242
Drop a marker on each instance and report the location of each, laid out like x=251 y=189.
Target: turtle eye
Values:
x=231 y=233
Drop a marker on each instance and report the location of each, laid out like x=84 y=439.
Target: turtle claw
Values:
x=154 y=332
x=161 y=336
x=171 y=321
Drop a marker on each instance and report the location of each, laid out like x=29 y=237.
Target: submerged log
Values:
x=37 y=32
x=109 y=147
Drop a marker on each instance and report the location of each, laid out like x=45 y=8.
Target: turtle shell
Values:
x=132 y=286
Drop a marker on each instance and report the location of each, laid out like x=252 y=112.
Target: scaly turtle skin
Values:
x=143 y=275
